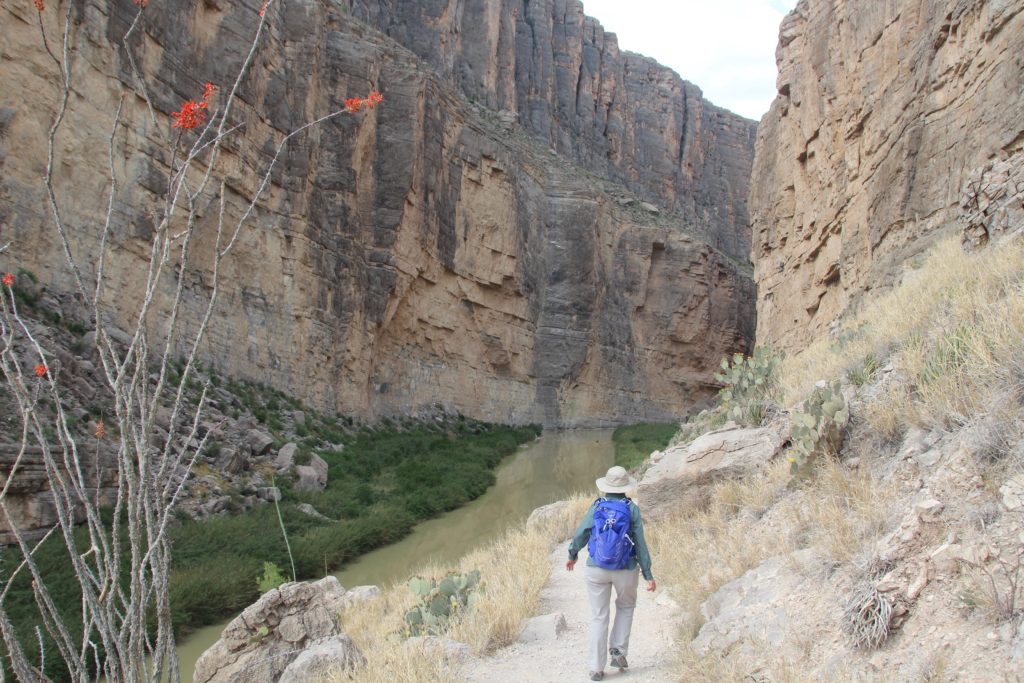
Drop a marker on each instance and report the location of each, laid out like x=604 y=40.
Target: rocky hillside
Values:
x=535 y=227
x=886 y=112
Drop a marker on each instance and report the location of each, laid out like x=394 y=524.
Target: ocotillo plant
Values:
x=122 y=561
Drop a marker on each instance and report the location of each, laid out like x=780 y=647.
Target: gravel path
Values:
x=564 y=658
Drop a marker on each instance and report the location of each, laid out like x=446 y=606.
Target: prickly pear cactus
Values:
x=748 y=382
x=819 y=429
x=440 y=600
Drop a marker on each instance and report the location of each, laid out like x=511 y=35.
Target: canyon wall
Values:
x=618 y=114
x=455 y=246
x=884 y=112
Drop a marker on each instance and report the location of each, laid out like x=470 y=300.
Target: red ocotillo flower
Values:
x=8 y=280
x=40 y=5
x=101 y=430
x=354 y=104
x=192 y=114
x=263 y=8
x=41 y=370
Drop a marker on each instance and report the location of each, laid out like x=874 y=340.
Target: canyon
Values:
x=535 y=227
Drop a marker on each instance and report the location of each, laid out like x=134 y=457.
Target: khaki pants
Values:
x=599 y=590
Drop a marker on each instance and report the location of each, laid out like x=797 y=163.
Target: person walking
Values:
x=613 y=532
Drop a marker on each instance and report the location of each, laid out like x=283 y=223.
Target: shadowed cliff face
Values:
x=884 y=112
x=618 y=114
x=428 y=252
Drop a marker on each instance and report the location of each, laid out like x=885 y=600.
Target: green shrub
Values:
x=440 y=601
x=861 y=375
x=271 y=579
x=819 y=429
x=749 y=386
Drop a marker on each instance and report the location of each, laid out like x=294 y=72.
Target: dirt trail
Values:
x=564 y=658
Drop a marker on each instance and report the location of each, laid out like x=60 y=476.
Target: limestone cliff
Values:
x=884 y=111
x=618 y=114
x=483 y=248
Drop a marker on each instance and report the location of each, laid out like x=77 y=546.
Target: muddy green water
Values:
x=541 y=472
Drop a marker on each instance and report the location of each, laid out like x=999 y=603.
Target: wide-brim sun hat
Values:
x=617 y=480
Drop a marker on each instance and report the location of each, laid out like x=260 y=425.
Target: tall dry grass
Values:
x=700 y=548
x=514 y=569
x=952 y=330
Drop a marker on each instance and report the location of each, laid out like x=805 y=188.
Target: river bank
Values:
x=550 y=468
x=379 y=485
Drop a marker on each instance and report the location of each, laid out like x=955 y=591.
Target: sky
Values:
x=726 y=47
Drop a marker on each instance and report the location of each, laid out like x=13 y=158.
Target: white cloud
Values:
x=727 y=47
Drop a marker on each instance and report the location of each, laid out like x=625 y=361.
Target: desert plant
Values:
x=749 y=385
x=271 y=579
x=819 y=429
x=866 y=617
x=863 y=373
x=121 y=627
x=999 y=591
x=440 y=601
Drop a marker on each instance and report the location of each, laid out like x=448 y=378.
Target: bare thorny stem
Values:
x=127 y=632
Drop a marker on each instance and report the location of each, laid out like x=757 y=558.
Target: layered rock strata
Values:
x=430 y=251
x=884 y=111
x=30 y=508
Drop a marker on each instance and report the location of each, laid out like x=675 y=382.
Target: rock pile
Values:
x=290 y=634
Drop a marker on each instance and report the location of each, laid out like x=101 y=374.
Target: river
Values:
x=541 y=472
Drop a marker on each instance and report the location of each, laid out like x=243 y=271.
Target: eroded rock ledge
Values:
x=884 y=112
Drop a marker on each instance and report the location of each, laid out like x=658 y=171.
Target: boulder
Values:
x=319 y=465
x=1012 y=493
x=286 y=457
x=361 y=594
x=728 y=452
x=268 y=493
x=545 y=512
x=231 y=460
x=308 y=479
x=323 y=658
x=307 y=509
x=759 y=605
x=312 y=477
x=264 y=640
x=259 y=441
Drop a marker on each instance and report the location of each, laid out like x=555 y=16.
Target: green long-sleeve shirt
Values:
x=636 y=532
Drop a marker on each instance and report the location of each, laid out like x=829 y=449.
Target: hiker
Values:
x=614 y=535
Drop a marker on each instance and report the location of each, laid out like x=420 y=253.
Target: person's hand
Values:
x=652 y=586
x=569 y=565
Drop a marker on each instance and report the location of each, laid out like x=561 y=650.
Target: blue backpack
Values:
x=610 y=546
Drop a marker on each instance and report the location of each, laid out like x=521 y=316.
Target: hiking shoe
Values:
x=597 y=675
x=618 y=659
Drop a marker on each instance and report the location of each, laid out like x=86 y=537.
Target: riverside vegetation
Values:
x=382 y=481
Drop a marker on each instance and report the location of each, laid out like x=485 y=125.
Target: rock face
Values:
x=758 y=605
x=729 y=452
x=884 y=112
x=29 y=500
x=434 y=250
x=264 y=641
x=618 y=114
